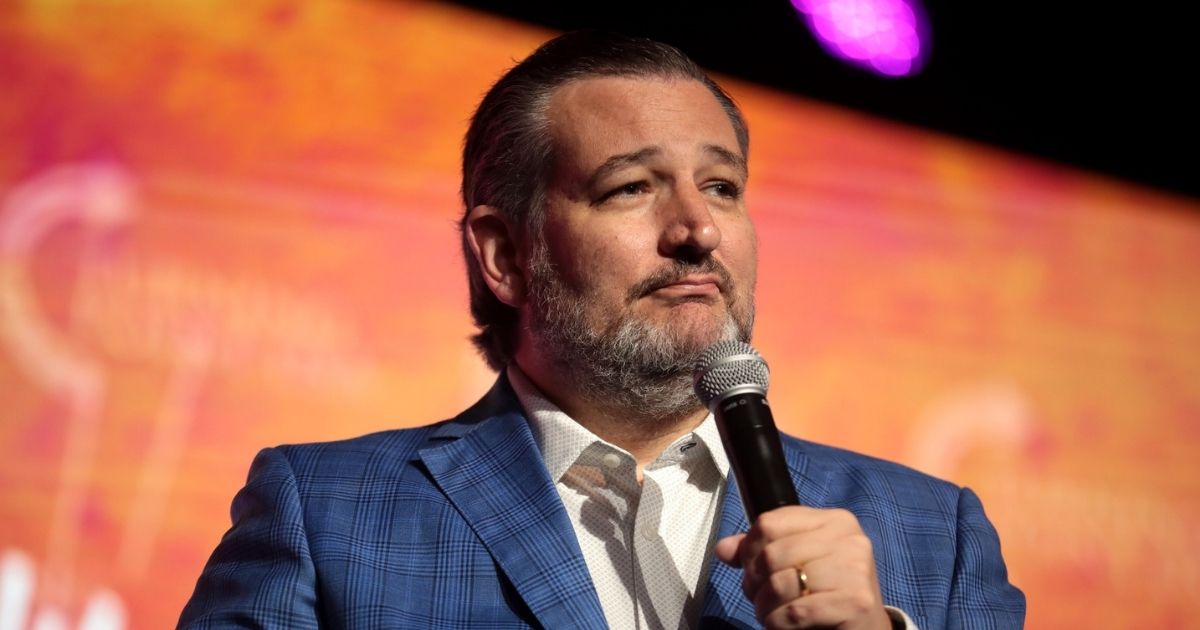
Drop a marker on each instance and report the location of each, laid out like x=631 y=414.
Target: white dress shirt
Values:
x=646 y=545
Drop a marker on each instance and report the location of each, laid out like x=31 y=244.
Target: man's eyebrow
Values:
x=617 y=162
x=620 y=161
x=735 y=160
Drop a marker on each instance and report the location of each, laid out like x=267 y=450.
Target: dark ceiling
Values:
x=1104 y=88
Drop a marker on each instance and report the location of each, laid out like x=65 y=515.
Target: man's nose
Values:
x=689 y=231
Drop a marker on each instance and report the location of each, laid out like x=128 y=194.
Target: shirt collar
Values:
x=561 y=440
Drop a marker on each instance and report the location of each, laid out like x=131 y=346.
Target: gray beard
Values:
x=631 y=367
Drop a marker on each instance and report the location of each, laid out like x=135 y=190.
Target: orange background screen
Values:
x=227 y=228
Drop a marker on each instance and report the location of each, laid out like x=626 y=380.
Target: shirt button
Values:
x=648 y=533
x=611 y=460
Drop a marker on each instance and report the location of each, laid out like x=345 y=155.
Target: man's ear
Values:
x=494 y=242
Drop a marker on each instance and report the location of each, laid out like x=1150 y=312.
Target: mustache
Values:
x=677 y=270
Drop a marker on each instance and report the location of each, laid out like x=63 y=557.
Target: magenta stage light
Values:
x=889 y=37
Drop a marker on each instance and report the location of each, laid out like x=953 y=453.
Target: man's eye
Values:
x=632 y=188
x=726 y=189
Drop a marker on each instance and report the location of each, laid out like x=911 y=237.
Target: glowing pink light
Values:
x=881 y=35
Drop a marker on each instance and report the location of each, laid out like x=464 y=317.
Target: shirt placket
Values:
x=663 y=591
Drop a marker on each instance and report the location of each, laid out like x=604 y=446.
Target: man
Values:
x=608 y=244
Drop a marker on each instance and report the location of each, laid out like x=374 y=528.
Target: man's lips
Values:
x=705 y=279
x=697 y=285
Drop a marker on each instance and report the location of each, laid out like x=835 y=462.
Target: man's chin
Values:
x=692 y=337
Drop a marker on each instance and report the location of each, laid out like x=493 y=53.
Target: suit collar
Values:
x=488 y=465
x=561 y=440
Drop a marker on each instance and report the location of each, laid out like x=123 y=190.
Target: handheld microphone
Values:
x=731 y=380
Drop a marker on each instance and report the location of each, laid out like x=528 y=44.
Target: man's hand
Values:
x=835 y=555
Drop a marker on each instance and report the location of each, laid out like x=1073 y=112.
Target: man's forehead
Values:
x=606 y=115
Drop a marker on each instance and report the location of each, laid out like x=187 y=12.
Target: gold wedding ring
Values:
x=802 y=577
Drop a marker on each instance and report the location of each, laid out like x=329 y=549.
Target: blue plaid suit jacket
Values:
x=458 y=525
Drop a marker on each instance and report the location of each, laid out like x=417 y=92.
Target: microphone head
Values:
x=729 y=368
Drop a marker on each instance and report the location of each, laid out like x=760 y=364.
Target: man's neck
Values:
x=645 y=437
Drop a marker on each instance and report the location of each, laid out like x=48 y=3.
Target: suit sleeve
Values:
x=261 y=575
x=980 y=593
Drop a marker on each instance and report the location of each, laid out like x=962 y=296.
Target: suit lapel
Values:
x=724 y=604
x=488 y=465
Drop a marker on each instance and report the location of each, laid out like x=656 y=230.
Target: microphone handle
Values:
x=752 y=443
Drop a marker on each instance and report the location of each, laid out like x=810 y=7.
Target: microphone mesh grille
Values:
x=726 y=365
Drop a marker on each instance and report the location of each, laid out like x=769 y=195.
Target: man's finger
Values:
x=786 y=553
x=813 y=611
x=728 y=549
x=780 y=588
x=779 y=523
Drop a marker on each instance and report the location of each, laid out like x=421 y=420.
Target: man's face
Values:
x=646 y=239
